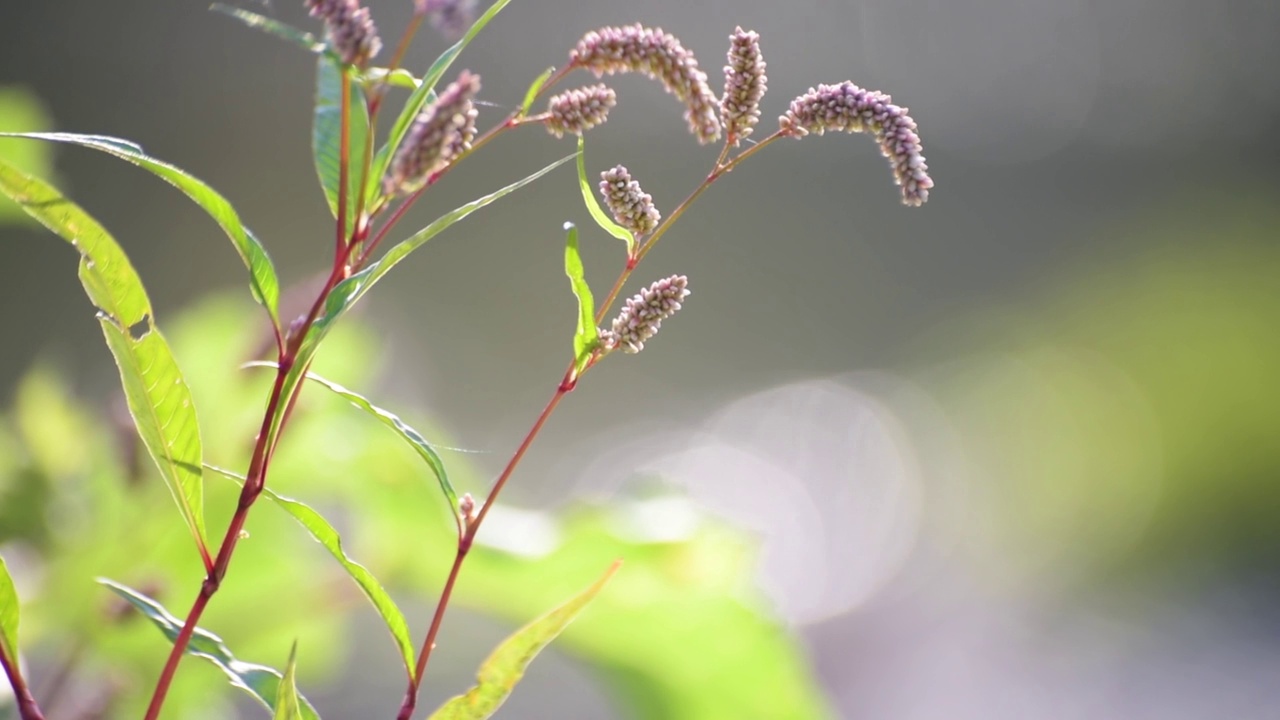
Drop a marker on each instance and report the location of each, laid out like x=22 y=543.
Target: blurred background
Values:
x=1012 y=454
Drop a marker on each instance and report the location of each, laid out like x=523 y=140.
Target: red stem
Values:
x=466 y=540
x=27 y=707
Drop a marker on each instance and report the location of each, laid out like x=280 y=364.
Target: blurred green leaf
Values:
x=531 y=94
x=8 y=615
x=261 y=682
x=157 y=395
x=326 y=135
x=404 y=432
x=586 y=337
x=323 y=533
x=396 y=78
x=506 y=665
x=22 y=111
x=593 y=206
x=423 y=94
x=264 y=283
x=304 y=40
x=288 y=707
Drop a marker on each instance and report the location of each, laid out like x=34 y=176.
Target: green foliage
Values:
x=326 y=135
x=586 y=336
x=593 y=205
x=505 y=666
x=157 y=395
x=21 y=111
x=531 y=95
x=265 y=285
x=322 y=532
x=261 y=682
x=8 y=615
x=288 y=705
x=304 y=40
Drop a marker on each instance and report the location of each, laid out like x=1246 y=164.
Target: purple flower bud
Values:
x=657 y=55
x=744 y=85
x=643 y=314
x=576 y=111
x=442 y=131
x=849 y=108
x=632 y=208
x=350 y=29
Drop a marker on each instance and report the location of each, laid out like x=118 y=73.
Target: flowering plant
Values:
x=369 y=188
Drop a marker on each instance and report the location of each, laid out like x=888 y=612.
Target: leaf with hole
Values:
x=261 y=682
x=593 y=205
x=262 y=274
x=421 y=96
x=506 y=665
x=326 y=136
x=158 y=397
x=586 y=337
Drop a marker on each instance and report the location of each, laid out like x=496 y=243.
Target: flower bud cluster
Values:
x=450 y=18
x=632 y=207
x=658 y=55
x=847 y=107
x=350 y=29
x=576 y=111
x=642 y=315
x=442 y=131
x=744 y=85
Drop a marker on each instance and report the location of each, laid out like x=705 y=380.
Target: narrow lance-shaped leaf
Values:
x=8 y=615
x=506 y=665
x=424 y=93
x=531 y=94
x=157 y=395
x=406 y=433
x=322 y=532
x=302 y=39
x=593 y=205
x=326 y=135
x=586 y=337
x=288 y=705
x=346 y=293
x=261 y=682
x=263 y=281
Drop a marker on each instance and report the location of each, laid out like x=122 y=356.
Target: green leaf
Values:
x=349 y=291
x=406 y=433
x=326 y=135
x=532 y=93
x=304 y=40
x=264 y=283
x=593 y=206
x=22 y=111
x=506 y=665
x=157 y=395
x=288 y=706
x=8 y=615
x=587 y=336
x=396 y=78
x=260 y=681
x=424 y=93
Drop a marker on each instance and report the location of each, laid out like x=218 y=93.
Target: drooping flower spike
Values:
x=632 y=208
x=643 y=313
x=578 y=110
x=849 y=108
x=442 y=131
x=658 y=55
